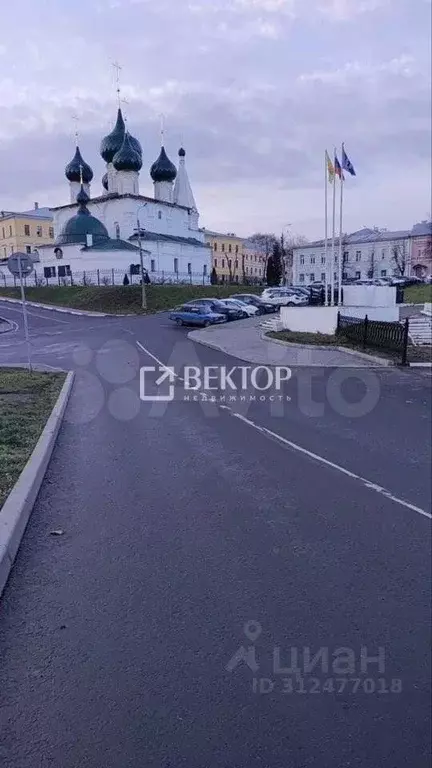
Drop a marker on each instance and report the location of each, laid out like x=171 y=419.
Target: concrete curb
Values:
x=372 y=358
x=18 y=506
x=55 y=308
x=212 y=345
x=420 y=365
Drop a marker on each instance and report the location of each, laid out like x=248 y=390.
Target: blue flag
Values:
x=346 y=163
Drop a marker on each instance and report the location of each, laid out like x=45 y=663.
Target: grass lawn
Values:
x=417 y=294
x=119 y=299
x=415 y=354
x=26 y=401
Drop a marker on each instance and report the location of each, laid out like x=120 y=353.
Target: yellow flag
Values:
x=330 y=168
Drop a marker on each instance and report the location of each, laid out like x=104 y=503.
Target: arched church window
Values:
x=117 y=230
x=58 y=253
x=159 y=214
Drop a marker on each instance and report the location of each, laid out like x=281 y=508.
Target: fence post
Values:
x=84 y=278
x=338 y=322
x=112 y=275
x=405 y=342
x=365 y=331
x=98 y=277
x=71 y=277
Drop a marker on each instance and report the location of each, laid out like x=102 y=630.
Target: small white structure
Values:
x=375 y=301
x=310 y=319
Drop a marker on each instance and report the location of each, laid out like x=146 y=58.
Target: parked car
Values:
x=248 y=309
x=287 y=298
x=264 y=307
x=191 y=314
x=268 y=291
x=218 y=306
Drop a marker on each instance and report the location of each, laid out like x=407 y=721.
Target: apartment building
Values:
x=25 y=231
x=227 y=253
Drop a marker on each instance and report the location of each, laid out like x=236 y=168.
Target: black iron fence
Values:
x=363 y=332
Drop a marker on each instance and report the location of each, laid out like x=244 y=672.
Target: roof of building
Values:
x=78 y=169
x=163 y=169
x=82 y=224
x=116 y=196
x=127 y=158
x=422 y=229
x=146 y=235
x=35 y=213
x=221 y=234
x=361 y=236
x=111 y=245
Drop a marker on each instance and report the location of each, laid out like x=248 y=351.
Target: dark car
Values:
x=264 y=307
x=231 y=313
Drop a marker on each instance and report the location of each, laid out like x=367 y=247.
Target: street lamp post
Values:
x=143 y=288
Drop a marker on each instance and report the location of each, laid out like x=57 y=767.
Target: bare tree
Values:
x=288 y=244
x=371 y=270
x=399 y=258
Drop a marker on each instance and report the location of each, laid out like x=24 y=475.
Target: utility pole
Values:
x=143 y=289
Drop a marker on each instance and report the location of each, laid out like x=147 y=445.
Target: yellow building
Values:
x=24 y=231
x=227 y=255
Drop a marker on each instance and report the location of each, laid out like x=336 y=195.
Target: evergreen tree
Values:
x=125 y=280
x=213 y=277
x=277 y=263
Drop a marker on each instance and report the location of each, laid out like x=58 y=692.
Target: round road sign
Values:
x=14 y=265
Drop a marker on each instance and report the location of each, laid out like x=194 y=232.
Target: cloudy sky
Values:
x=256 y=90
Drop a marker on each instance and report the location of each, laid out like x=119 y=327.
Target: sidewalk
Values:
x=244 y=339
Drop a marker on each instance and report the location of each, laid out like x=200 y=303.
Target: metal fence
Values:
x=375 y=333
x=42 y=277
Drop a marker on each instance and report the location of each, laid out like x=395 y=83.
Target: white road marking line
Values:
x=367 y=483
x=159 y=362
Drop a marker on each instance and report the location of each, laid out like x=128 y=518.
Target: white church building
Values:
x=103 y=235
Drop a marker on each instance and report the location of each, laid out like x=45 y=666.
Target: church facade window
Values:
x=189 y=268
x=175 y=265
x=215 y=246
x=49 y=272
x=205 y=270
x=117 y=230
x=215 y=262
x=28 y=248
x=152 y=265
x=159 y=214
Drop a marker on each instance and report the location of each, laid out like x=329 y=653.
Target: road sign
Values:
x=14 y=264
x=21 y=265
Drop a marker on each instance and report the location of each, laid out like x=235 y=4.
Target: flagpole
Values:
x=332 y=282
x=340 y=264
x=326 y=229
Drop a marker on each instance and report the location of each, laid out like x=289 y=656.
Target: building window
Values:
x=189 y=268
x=236 y=263
x=215 y=262
x=49 y=271
x=344 y=275
x=336 y=259
x=383 y=273
x=223 y=247
x=175 y=265
x=28 y=248
x=301 y=259
x=383 y=253
x=301 y=278
x=335 y=276
x=312 y=259
x=39 y=230
x=323 y=260
x=247 y=270
x=10 y=231
x=346 y=257
x=4 y=236
x=236 y=249
x=51 y=232
x=205 y=270
x=230 y=264
x=152 y=265
x=12 y=248
x=358 y=255
x=117 y=230
x=58 y=253
x=4 y=251
x=27 y=230
x=64 y=270
x=323 y=277
x=159 y=214
x=215 y=247
x=358 y=275
x=312 y=277
x=223 y=263
x=230 y=248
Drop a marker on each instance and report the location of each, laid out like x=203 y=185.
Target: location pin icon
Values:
x=252 y=630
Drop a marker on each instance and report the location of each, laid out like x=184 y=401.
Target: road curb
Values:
x=420 y=365
x=18 y=506
x=372 y=358
x=7 y=323
x=55 y=308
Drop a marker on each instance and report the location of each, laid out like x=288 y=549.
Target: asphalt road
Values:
x=203 y=552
